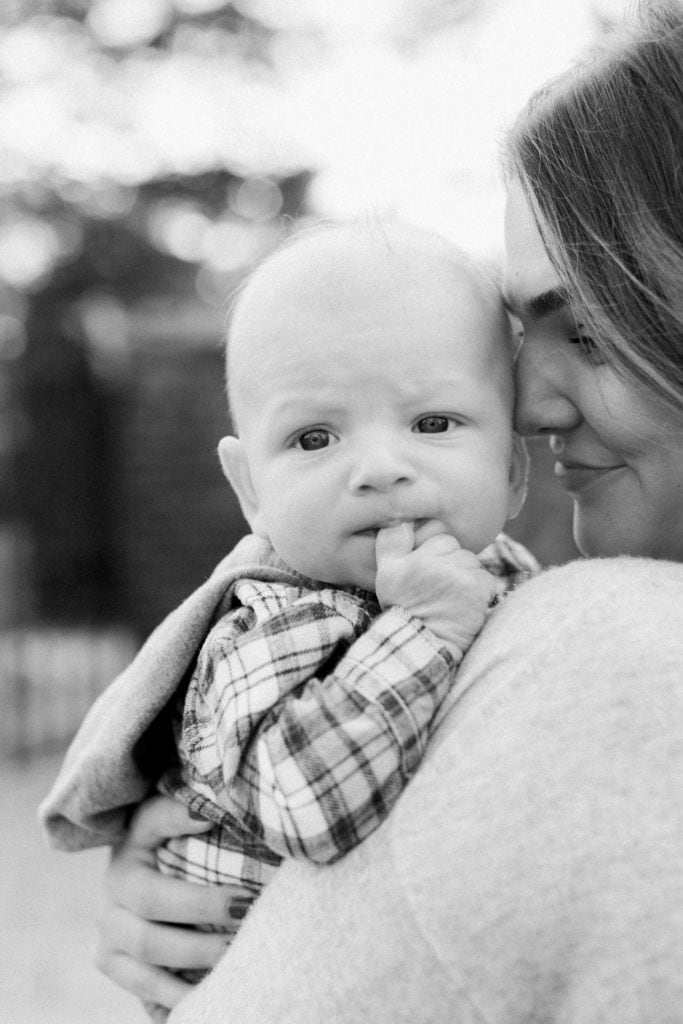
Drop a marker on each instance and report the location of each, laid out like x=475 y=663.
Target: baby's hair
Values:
x=237 y=294
x=396 y=238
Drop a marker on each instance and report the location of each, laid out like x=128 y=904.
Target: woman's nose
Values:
x=379 y=466
x=544 y=401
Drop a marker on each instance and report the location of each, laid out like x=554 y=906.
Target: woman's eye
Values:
x=313 y=440
x=588 y=348
x=433 y=425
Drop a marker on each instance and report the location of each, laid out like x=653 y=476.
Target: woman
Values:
x=533 y=869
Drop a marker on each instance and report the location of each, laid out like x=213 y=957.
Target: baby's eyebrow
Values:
x=538 y=306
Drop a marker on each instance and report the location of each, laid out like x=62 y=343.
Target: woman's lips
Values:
x=577 y=476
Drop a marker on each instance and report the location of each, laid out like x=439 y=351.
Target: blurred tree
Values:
x=104 y=227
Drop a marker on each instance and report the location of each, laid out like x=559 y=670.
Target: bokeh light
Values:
x=198 y=6
x=395 y=106
x=123 y=23
x=231 y=244
x=29 y=248
x=178 y=227
x=256 y=199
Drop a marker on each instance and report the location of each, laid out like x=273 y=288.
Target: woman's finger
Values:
x=139 y=887
x=160 y=818
x=150 y=984
x=162 y=945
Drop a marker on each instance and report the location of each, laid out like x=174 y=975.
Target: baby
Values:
x=370 y=383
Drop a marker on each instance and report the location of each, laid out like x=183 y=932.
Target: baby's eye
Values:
x=313 y=440
x=433 y=425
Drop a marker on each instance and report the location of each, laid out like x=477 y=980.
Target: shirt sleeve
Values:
x=307 y=727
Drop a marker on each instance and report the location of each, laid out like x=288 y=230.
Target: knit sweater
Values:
x=532 y=871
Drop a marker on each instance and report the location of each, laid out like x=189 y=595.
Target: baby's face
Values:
x=367 y=402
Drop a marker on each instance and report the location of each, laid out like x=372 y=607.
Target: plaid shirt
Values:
x=306 y=714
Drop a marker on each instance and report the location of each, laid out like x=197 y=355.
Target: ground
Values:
x=48 y=905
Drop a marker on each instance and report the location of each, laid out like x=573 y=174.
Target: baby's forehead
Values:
x=361 y=264
x=360 y=276
x=341 y=295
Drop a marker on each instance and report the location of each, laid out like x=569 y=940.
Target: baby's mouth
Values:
x=372 y=531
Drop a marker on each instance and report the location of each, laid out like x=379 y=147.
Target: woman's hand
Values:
x=147 y=925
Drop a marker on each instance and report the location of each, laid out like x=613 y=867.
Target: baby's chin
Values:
x=351 y=577
x=354 y=581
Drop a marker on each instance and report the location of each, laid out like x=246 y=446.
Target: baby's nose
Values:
x=379 y=469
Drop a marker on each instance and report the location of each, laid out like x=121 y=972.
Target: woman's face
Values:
x=619 y=454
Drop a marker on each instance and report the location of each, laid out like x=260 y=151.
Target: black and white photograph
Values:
x=341 y=511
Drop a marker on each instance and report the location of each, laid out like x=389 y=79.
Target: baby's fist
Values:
x=427 y=573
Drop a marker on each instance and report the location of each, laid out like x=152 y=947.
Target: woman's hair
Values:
x=599 y=154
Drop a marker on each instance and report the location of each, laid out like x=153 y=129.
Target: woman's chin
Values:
x=639 y=537
x=596 y=538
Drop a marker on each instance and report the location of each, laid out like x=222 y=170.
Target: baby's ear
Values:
x=519 y=474
x=233 y=456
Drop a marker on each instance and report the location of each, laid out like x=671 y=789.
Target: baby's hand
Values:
x=426 y=572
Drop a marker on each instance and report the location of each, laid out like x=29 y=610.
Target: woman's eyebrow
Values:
x=539 y=305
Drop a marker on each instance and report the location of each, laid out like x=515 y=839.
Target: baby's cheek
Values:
x=300 y=542
x=480 y=514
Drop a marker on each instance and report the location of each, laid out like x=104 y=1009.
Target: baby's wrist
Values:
x=441 y=639
x=455 y=648
x=457 y=635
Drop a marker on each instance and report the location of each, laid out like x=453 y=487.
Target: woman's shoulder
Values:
x=549 y=794
x=586 y=623
x=609 y=588
x=622 y=567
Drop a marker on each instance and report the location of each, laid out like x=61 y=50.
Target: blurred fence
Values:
x=49 y=677
x=162 y=517
x=175 y=515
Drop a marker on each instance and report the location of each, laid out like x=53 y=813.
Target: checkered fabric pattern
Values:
x=306 y=714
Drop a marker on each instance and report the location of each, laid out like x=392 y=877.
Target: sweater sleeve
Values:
x=306 y=726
